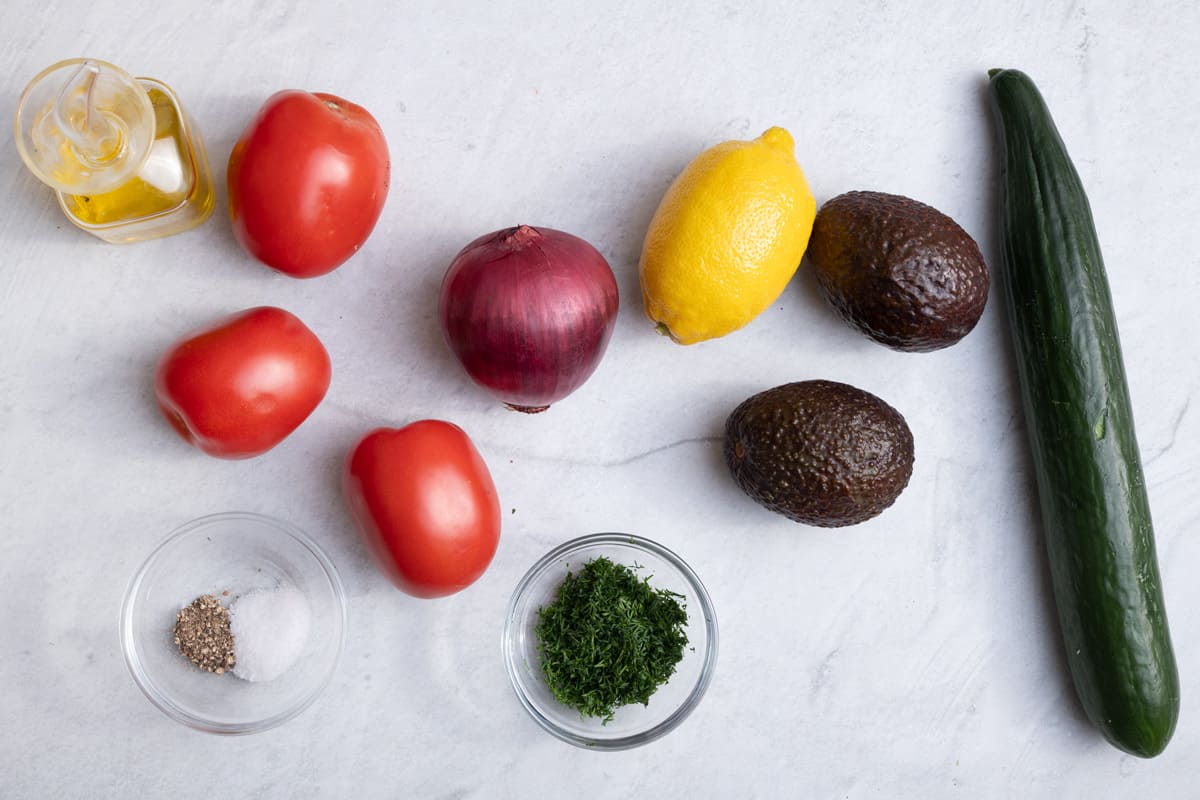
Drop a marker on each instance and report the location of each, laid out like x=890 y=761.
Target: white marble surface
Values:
x=912 y=656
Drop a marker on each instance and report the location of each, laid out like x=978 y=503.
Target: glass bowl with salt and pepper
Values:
x=234 y=624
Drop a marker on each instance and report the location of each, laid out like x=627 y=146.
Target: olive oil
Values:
x=171 y=193
x=123 y=157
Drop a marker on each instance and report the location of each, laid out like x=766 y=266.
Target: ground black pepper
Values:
x=203 y=636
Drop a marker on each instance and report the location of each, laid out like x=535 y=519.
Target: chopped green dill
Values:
x=609 y=639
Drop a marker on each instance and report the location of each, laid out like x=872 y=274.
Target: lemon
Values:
x=727 y=237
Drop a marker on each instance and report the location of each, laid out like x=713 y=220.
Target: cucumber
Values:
x=1095 y=514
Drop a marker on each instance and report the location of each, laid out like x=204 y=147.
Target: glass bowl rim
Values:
x=162 y=701
x=707 y=668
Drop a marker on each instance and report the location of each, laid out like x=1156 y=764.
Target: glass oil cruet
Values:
x=125 y=161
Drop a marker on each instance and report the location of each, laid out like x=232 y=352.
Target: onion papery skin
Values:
x=528 y=312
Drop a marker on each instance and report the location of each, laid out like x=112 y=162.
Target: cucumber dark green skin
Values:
x=1095 y=514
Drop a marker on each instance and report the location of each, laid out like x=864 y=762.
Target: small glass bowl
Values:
x=631 y=725
x=233 y=552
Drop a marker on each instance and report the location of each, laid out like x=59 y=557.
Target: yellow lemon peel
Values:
x=727 y=237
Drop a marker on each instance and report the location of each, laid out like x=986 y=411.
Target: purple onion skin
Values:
x=529 y=313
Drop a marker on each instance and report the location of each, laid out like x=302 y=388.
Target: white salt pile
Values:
x=270 y=628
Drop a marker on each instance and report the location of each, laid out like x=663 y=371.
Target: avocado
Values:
x=819 y=452
x=902 y=272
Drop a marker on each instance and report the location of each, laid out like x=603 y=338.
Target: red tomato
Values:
x=307 y=181
x=238 y=387
x=425 y=504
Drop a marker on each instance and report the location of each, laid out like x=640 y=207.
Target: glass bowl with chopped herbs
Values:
x=610 y=641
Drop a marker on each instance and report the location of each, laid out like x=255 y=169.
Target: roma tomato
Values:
x=238 y=387
x=307 y=181
x=425 y=504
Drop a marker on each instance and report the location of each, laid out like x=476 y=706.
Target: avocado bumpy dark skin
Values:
x=902 y=272
x=819 y=452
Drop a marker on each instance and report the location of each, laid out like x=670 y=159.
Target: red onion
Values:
x=529 y=312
